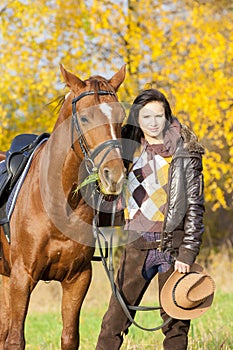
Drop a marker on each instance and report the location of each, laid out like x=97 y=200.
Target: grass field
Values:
x=212 y=331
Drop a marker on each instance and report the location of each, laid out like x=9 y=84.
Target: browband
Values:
x=92 y=92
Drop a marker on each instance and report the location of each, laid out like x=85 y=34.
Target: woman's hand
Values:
x=181 y=267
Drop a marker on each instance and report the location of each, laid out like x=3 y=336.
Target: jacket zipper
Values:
x=168 y=202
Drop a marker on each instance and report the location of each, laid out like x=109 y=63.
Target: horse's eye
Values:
x=84 y=119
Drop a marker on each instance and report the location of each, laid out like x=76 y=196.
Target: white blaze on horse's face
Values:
x=107 y=111
x=111 y=178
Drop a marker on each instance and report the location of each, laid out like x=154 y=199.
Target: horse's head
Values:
x=96 y=126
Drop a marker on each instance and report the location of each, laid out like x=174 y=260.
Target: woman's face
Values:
x=152 y=121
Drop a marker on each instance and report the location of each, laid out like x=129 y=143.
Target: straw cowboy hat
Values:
x=187 y=296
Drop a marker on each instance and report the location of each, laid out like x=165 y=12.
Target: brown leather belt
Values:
x=142 y=244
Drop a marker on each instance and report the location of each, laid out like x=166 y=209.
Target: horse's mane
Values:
x=59 y=102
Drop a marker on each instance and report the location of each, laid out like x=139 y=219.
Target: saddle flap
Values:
x=4 y=179
x=20 y=142
x=16 y=164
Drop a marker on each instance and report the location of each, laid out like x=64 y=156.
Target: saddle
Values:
x=16 y=160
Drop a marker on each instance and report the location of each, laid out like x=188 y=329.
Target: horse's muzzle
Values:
x=112 y=178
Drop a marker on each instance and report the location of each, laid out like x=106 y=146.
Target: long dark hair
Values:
x=131 y=130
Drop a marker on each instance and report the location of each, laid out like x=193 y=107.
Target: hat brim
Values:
x=167 y=303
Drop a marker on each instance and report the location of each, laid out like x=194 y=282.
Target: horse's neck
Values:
x=59 y=167
x=59 y=162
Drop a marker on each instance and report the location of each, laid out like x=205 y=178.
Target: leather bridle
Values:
x=89 y=157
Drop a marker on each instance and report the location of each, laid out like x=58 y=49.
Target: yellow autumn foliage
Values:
x=184 y=48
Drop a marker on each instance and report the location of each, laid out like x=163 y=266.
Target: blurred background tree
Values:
x=184 y=48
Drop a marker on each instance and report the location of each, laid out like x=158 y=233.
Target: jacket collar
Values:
x=190 y=141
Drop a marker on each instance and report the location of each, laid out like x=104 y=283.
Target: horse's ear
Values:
x=118 y=78
x=73 y=82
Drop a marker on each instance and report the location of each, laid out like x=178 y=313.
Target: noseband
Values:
x=107 y=145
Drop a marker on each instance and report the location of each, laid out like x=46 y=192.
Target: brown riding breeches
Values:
x=132 y=287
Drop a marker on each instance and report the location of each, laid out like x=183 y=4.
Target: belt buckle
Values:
x=159 y=248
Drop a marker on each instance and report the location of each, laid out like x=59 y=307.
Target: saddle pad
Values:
x=14 y=194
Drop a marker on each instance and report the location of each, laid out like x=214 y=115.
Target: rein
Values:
x=109 y=269
x=89 y=156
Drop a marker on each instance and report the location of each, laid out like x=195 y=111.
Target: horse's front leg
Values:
x=20 y=288
x=73 y=295
x=4 y=307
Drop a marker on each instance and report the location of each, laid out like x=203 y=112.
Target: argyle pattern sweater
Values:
x=146 y=197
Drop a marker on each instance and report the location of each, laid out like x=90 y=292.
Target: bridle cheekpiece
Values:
x=88 y=155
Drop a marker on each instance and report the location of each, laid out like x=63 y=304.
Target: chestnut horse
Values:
x=51 y=224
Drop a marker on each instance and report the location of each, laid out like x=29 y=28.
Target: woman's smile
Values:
x=152 y=121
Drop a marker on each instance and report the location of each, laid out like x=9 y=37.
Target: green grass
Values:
x=43 y=331
x=212 y=331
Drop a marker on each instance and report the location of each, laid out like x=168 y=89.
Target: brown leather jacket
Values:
x=183 y=225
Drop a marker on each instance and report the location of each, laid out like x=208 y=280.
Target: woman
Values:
x=163 y=215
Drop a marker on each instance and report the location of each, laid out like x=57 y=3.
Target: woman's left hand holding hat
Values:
x=181 y=267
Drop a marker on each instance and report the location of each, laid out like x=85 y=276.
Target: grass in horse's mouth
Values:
x=94 y=178
x=89 y=179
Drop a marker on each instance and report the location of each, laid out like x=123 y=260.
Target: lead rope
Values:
x=110 y=270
